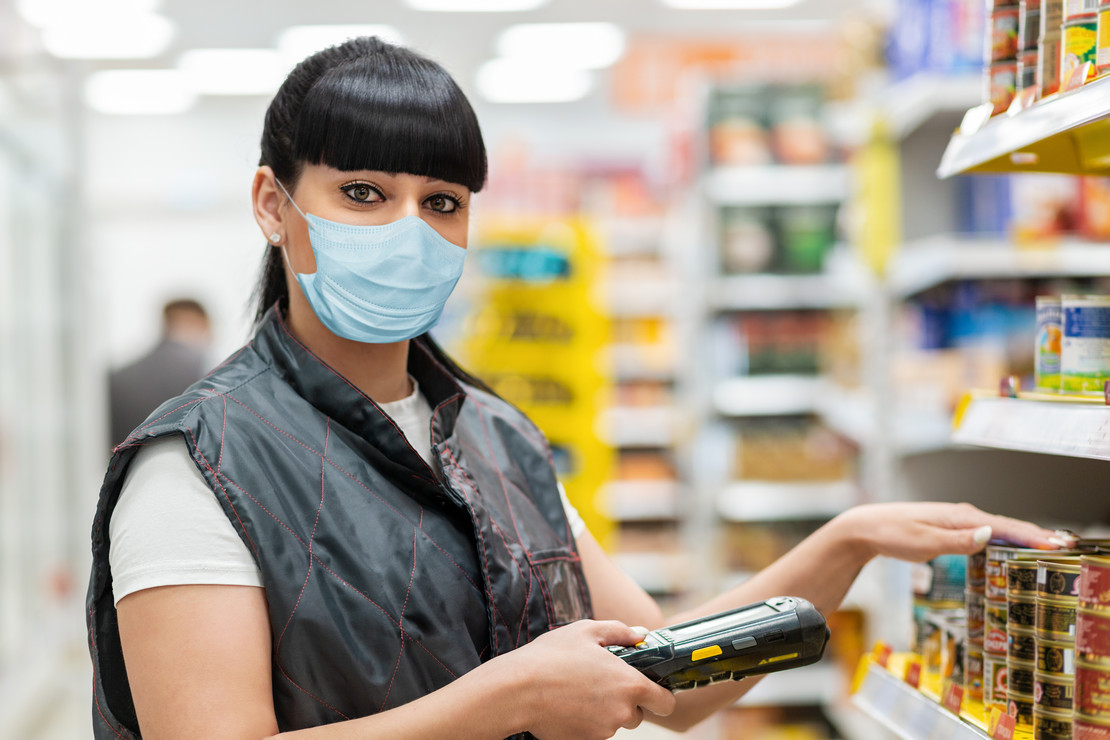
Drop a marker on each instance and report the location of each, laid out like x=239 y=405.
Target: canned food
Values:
x=1001 y=84
x=1046 y=364
x=1049 y=61
x=1085 y=352
x=1054 y=693
x=1094 y=582
x=1021 y=645
x=973 y=672
x=1073 y=8
x=1102 y=41
x=1055 y=619
x=1021 y=578
x=976 y=614
x=1051 y=726
x=1056 y=657
x=1092 y=637
x=1003 y=30
x=1029 y=25
x=994 y=679
x=1021 y=612
x=1087 y=728
x=1092 y=691
x=977 y=570
x=1058 y=579
x=1020 y=707
x=1019 y=677
x=996 y=558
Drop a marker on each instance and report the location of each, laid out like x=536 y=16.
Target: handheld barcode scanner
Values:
x=772 y=635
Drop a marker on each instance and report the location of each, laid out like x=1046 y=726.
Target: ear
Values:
x=266 y=201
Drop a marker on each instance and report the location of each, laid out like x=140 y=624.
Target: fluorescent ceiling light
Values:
x=474 y=6
x=234 y=71
x=43 y=13
x=139 y=92
x=513 y=81
x=730 y=4
x=582 y=45
x=126 y=36
x=297 y=42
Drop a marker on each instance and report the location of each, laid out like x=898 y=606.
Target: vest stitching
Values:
x=308 y=573
x=223 y=434
x=223 y=490
x=96 y=698
x=356 y=480
x=234 y=357
x=152 y=422
x=408 y=592
x=309 y=693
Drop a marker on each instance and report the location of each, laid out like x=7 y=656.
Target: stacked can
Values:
x=1046 y=358
x=1021 y=652
x=938 y=587
x=1079 y=35
x=974 y=597
x=1000 y=82
x=1057 y=597
x=1102 y=52
x=995 y=639
x=1029 y=31
x=1092 y=650
x=1049 y=49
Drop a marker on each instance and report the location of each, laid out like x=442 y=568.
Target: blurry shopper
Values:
x=178 y=360
x=340 y=533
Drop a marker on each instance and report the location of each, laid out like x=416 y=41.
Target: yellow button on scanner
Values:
x=706 y=652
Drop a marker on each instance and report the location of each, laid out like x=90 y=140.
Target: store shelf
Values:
x=935 y=260
x=1079 y=427
x=904 y=106
x=655 y=572
x=852 y=415
x=907 y=712
x=640 y=362
x=1064 y=133
x=641 y=500
x=751 y=501
x=768 y=395
x=638 y=426
x=820 y=684
x=783 y=292
x=777 y=185
x=645 y=297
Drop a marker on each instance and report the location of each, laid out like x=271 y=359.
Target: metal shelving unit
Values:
x=1073 y=426
x=907 y=712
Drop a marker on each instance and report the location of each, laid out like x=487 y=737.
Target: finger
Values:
x=636 y=719
x=658 y=700
x=611 y=632
x=1028 y=534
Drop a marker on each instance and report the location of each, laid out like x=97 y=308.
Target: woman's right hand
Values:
x=574 y=688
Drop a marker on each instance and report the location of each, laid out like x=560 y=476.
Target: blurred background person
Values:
x=178 y=360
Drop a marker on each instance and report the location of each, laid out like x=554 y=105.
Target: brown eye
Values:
x=443 y=204
x=360 y=192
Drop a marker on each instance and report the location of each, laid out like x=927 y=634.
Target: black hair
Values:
x=368 y=105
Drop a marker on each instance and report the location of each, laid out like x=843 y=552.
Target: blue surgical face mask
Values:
x=378 y=284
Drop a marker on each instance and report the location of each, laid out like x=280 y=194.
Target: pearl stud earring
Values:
x=275 y=237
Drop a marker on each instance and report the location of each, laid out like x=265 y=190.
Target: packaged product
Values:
x=1094 y=222
x=1085 y=350
x=1046 y=358
x=1102 y=50
x=1079 y=46
x=1003 y=30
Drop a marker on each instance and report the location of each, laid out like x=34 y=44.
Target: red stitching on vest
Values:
x=401 y=651
x=96 y=699
x=216 y=478
x=223 y=433
x=309 y=693
x=231 y=359
x=152 y=422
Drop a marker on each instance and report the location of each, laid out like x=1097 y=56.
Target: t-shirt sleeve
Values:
x=577 y=526
x=168 y=529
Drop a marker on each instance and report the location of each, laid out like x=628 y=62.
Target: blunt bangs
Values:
x=397 y=113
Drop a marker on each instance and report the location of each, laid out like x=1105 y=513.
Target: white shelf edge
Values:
x=926 y=263
x=1054 y=428
x=762 y=501
x=655 y=572
x=767 y=185
x=636 y=426
x=907 y=712
x=768 y=395
x=766 y=292
x=641 y=500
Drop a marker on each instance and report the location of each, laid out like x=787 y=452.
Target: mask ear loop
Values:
x=284 y=253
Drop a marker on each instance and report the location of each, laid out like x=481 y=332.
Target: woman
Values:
x=338 y=532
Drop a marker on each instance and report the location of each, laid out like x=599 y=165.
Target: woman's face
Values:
x=371 y=198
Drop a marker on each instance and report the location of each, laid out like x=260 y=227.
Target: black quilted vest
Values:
x=385 y=580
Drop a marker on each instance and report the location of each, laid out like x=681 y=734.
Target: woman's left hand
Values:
x=922 y=531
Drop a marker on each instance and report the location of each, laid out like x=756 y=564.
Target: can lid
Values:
x=1081 y=18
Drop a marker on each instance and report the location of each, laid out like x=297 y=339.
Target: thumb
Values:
x=617 y=633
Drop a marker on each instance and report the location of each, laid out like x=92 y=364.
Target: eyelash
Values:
x=348 y=187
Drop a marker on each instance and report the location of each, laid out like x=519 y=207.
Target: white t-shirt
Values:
x=169 y=530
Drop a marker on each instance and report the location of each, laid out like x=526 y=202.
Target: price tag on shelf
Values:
x=913 y=672
x=1077 y=77
x=976 y=118
x=881 y=653
x=953 y=696
x=1001 y=725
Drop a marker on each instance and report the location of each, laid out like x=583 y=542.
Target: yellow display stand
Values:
x=537 y=338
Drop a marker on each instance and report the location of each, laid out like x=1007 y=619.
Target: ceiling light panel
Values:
x=44 y=13
x=127 y=36
x=139 y=92
x=297 y=42
x=475 y=6
x=234 y=71
x=581 y=45
x=513 y=81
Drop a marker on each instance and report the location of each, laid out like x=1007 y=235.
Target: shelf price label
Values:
x=1001 y=725
x=881 y=653
x=953 y=696
x=913 y=672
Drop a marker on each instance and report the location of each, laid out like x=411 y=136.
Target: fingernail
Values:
x=1061 y=542
x=641 y=631
x=982 y=535
x=1067 y=535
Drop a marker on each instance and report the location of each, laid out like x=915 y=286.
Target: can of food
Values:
x=1051 y=725
x=1049 y=61
x=1020 y=677
x=1089 y=728
x=1021 y=613
x=1058 y=579
x=996 y=558
x=1020 y=707
x=1027 y=70
x=994 y=679
x=1046 y=361
x=1092 y=637
x=1094 y=582
x=1080 y=44
x=1073 y=8
x=977 y=570
x=1053 y=693
x=1003 y=29
x=1102 y=41
x=974 y=604
x=1092 y=691
x=1001 y=84
x=973 y=671
x=1029 y=25
x=1056 y=619
x=1085 y=350
x=1021 y=578
x=1056 y=658
x=941 y=579
x=994 y=638
x=952 y=649
x=1021 y=646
